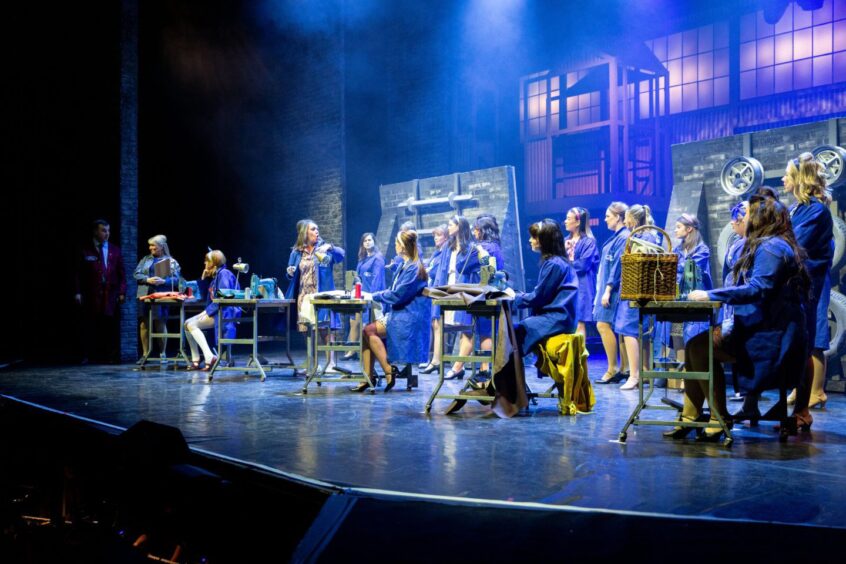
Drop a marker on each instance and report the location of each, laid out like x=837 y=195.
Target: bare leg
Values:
x=465 y=347
x=353 y=335
x=633 y=354
x=145 y=338
x=436 y=347
x=580 y=329
x=609 y=343
x=624 y=357
x=818 y=384
x=486 y=345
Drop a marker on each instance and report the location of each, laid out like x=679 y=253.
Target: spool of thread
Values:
x=358 y=290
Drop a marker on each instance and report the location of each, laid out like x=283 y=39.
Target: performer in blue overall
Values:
x=583 y=254
x=310 y=271
x=552 y=304
x=460 y=264
x=608 y=287
x=486 y=233
x=370 y=273
x=440 y=235
x=813 y=227
x=215 y=277
x=626 y=319
x=406 y=322
x=735 y=248
x=769 y=338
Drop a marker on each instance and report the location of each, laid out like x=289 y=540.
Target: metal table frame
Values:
x=484 y=308
x=344 y=306
x=253 y=306
x=151 y=333
x=675 y=311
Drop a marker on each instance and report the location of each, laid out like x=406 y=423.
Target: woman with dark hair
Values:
x=370 y=273
x=460 y=264
x=405 y=325
x=608 y=288
x=310 y=271
x=440 y=236
x=735 y=249
x=486 y=232
x=814 y=230
x=583 y=254
x=215 y=277
x=769 y=338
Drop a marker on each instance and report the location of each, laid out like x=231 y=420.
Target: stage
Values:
x=386 y=442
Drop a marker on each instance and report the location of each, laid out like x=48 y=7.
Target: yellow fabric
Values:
x=564 y=358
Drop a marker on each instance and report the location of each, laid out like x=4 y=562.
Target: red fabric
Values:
x=100 y=286
x=165 y=296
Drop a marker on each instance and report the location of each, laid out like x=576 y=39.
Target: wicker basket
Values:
x=648 y=276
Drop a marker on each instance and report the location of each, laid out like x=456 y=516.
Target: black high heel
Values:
x=429 y=368
x=360 y=388
x=617 y=377
x=677 y=433
x=394 y=375
x=753 y=416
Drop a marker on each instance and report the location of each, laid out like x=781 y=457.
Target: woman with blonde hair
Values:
x=149 y=283
x=406 y=321
x=813 y=227
x=215 y=277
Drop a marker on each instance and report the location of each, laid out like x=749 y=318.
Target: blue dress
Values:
x=467 y=268
x=407 y=322
x=627 y=318
x=769 y=339
x=585 y=263
x=432 y=267
x=371 y=272
x=325 y=280
x=483 y=324
x=552 y=304
x=609 y=275
x=701 y=255
x=813 y=226
x=223 y=280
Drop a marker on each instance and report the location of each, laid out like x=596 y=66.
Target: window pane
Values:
x=822 y=39
x=721 y=62
x=595 y=98
x=802 y=44
x=802 y=74
x=594 y=114
x=764 y=29
x=840 y=35
x=838 y=72
x=721 y=35
x=823 y=14
x=584 y=116
x=706 y=66
x=675 y=99
x=706 y=38
x=822 y=70
x=747 y=84
x=689 y=99
x=689 y=42
x=765 y=52
x=765 y=81
x=721 y=91
x=839 y=9
x=689 y=65
x=784 y=48
x=747 y=56
x=801 y=18
x=747 y=27
x=674 y=50
x=785 y=24
x=572 y=119
x=706 y=93
x=784 y=77
x=660 y=49
x=572 y=103
x=533 y=88
x=675 y=72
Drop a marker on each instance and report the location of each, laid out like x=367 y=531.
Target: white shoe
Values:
x=630 y=384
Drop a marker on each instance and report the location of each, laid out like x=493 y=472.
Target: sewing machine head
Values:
x=190 y=288
x=263 y=288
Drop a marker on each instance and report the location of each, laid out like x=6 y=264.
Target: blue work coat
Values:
x=552 y=304
x=609 y=275
x=408 y=320
x=483 y=324
x=371 y=272
x=813 y=227
x=769 y=339
x=223 y=279
x=626 y=319
x=467 y=267
x=433 y=265
x=732 y=256
x=325 y=280
x=585 y=263
x=701 y=255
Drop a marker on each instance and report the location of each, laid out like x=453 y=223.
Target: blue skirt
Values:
x=605 y=314
x=822 y=336
x=626 y=319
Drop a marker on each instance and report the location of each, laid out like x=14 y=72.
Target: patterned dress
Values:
x=308 y=282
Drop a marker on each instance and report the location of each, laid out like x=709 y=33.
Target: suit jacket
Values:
x=98 y=284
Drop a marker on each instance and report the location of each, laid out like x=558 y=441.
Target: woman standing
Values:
x=370 y=273
x=583 y=255
x=405 y=324
x=813 y=227
x=217 y=277
x=441 y=237
x=626 y=320
x=310 y=271
x=149 y=283
x=608 y=288
x=460 y=264
x=769 y=339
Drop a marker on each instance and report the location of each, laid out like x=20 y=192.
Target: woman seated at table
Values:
x=370 y=273
x=406 y=322
x=769 y=337
x=149 y=283
x=215 y=277
x=552 y=304
x=486 y=232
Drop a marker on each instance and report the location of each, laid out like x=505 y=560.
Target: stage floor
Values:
x=388 y=442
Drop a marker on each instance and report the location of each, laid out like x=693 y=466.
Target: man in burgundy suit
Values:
x=100 y=287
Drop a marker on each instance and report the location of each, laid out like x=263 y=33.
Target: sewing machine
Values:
x=263 y=288
x=190 y=288
x=692 y=279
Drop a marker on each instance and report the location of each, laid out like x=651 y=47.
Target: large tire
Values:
x=839 y=243
x=727 y=237
x=837 y=324
x=741 y=176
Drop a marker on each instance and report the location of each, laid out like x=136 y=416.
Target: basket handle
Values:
x=628 y=248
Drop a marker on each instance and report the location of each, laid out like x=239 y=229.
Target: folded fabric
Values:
x=165 y=296
x=564 y=358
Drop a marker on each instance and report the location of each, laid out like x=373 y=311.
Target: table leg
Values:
x=441 y=367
